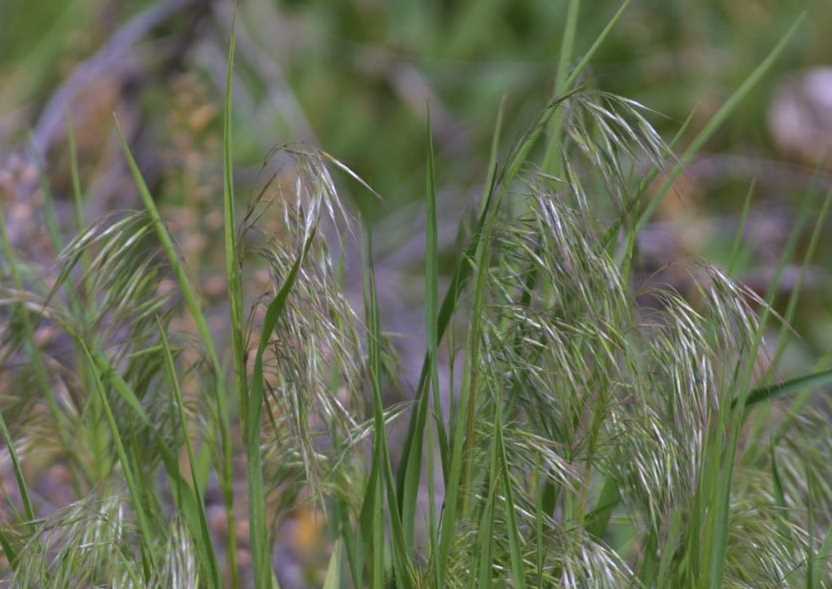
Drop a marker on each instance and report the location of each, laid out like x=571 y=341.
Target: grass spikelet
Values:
x=599 y=436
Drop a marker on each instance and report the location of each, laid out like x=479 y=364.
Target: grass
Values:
x=594 y=440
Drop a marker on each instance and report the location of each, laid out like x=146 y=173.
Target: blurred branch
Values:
x=111 y=56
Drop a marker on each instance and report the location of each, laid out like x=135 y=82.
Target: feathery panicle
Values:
x=599 y=440
x=315 y=406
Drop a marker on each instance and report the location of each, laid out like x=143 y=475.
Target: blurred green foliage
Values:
x=357 y=67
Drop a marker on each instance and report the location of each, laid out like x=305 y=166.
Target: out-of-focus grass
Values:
x=360 y=70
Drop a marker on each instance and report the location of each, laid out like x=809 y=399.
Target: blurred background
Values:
x=354 y=77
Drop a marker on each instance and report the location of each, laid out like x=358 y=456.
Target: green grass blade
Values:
x=736 y=248
x=53 y=227
x=794 y=296
x=598 y=519
x=375 y=487
x=233 y=264
x=352 y=542
x=194 y=306
x=413 y=468
x=515 y=548
x=8 y=550
x=22 y=486
x=716 y=122
x=431 y=310
x=472 y=375
x=133 y=485
x=486 y=536
x=463 y=439
x=372 y=530
x=670 y=549
x=596 y=45
x=402 y=566
x=648 y=570
x=233 y=269
x=108 y=374
x=189 y=499
x=78 y=209
x=333 y=571
x=259 y=536
x=204 y=538
x=448 y=307
x=567 y=47
x=787 y=388
x=779 y=495
x=77 y=193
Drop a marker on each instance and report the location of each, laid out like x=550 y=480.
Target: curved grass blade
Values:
x=787 y=388
x=794 y=296
x=736 y=248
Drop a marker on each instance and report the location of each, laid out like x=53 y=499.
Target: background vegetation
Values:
x=591 y=439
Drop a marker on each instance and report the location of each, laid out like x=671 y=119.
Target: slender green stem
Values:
x=194 y=307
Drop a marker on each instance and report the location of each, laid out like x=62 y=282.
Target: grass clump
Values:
x=599 y=436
